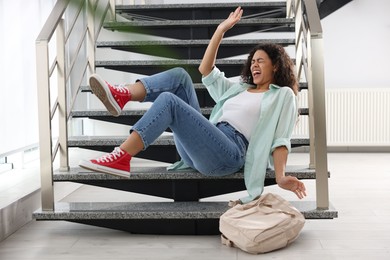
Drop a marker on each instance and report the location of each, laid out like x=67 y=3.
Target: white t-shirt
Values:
x=242 y=112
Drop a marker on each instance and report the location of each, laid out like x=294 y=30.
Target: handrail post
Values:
x=62 y=98
x=91 y=37
x=315 y=54
x=317 y=101
x=45 y=135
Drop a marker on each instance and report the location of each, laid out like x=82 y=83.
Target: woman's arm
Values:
x=286 y=182
x=210 y=54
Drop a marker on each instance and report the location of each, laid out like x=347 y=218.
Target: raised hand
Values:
x=233 y=18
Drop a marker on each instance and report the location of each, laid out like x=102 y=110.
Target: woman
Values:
x=250 y=125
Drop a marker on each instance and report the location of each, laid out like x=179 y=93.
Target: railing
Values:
x=69 y=19
x=310 y=65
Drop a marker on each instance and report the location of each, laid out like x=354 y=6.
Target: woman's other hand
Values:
x=293 y=184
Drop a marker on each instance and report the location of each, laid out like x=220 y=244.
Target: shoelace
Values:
x=111 y=156
x=120 y=88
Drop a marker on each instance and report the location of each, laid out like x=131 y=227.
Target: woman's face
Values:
x=262 y=69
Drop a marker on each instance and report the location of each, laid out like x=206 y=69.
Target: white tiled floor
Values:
x=359 y=190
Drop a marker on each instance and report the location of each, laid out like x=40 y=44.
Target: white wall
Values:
x=356 y=43
x=20 y=23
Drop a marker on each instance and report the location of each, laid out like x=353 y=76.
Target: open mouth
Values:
x=256 y=73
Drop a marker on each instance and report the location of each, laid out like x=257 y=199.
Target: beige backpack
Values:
x=261 y=226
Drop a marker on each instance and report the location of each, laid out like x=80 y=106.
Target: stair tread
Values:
x=199 y=23
x=139 y=112
x=161 y=173
x=198 y=86
x=158 y=210
x=200 y=29
x=207 y=6
x=189 y=43
x=166 y=140
x=189 y=49
x=231 y=67
x=172 y=62
x=165 y=62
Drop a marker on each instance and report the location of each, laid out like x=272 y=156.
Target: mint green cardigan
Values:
x=278 y=115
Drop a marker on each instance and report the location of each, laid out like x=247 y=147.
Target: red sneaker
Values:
x=116 y=163
x=113 y=97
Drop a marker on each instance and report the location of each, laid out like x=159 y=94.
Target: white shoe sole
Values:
x=99 y=168
x=102 y=91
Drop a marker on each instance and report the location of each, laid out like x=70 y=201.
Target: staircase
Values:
x=184 y=43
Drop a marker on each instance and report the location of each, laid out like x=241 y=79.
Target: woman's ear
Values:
x=275 y=68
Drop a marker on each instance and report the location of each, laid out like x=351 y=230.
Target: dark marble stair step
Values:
x=200 y=29
x=163 y=149
x=161 y=173
x=189 y=49
x=197 y=86
x=231 y=67
x=204 y=99
x=173 y=218
x=165 y=140
x=200 y=10
x=127 y=117
x=188 y=185
x=130 y=117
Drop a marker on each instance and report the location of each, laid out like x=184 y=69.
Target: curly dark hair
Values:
x=284 y=75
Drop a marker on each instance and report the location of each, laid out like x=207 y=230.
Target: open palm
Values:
x=293 y=184
x=233 y=18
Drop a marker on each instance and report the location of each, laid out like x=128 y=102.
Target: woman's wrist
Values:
x=220 y=30
x=278 y=177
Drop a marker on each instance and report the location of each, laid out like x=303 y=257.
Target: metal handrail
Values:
x=52 y=21
x=72 y=24
x=309 y=57
x=61 y=106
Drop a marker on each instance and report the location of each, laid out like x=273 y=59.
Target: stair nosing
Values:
x=199 y=23
x=206 y=111
x=80 y=141
x=202 y=5
x=159 y=210
x=161 y=173
x=168 y=62
x=205 y=42
x=100 y=63
x=303 y=85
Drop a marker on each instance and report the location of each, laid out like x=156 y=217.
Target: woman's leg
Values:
x=176 y=81
x=203 y=146
x=114 y=97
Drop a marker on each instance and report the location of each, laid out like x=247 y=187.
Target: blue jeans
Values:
x=213 y=150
